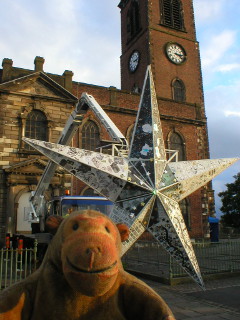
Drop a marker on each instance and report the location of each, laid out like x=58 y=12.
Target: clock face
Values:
x=134 y=61
x=175 y=53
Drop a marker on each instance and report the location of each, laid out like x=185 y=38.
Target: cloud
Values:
x=206 y=11
x=228 y=67
x=219 y=184
x=216 y=47
x=70 y=34
x=232 y=113
x=62 y=9
x=223 y=98
x=223 y=112
x=38 y=31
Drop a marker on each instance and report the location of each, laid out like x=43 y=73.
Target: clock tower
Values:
x=161 y=33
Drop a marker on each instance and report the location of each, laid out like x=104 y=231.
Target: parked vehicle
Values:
x=65 y=205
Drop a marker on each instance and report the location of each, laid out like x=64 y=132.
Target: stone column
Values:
x=68 y=80
x=113 y=96
x=7 y=69
x=39 y=61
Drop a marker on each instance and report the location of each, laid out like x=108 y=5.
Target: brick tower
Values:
x=162 y=33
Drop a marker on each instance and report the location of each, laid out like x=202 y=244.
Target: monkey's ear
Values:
x=53 y=223
x=123 y=230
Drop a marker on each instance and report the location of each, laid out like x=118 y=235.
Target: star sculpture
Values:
x=145 y=187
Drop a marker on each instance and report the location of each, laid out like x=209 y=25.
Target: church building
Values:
x=36 y=104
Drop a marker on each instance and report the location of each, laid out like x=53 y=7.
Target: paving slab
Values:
x=188 y=302
x=225 y=296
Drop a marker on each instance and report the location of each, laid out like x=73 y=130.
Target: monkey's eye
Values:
x=75 y=226
x=107 y=229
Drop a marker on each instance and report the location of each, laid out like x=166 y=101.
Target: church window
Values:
x=172 y=14
x=178 y=89
x=176 y=143
x=36 y=127
x=90 y=136
x=133 y=19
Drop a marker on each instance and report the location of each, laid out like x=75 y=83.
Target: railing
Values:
x=16 y=264
x=218 y=257
x=115 y=149
x=151 y=259
x=144 y=256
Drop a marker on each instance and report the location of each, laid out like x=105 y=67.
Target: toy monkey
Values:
x=82 y=278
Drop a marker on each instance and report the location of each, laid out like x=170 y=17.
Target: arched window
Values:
x=90 y=136
x=172 y=14
x=133 y=19
x=184 y=206
x=176 y=143
x=36 y=127
x=178 y=89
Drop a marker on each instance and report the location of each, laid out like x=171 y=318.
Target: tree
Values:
x=231 y=204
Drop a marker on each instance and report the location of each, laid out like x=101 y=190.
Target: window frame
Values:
x=88 y=122
x=133 y=20
x=172 y=19
x=182 y=90
x=183 y=144
x=24 y=147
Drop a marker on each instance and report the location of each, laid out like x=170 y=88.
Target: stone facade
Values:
x=21 y=168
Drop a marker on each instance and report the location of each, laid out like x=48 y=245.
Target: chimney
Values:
x=7 y=69
x=68 y=80
x=39 y=61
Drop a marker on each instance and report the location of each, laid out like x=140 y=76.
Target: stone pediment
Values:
x=34 y=167
x=38 y=84
x=37 y=88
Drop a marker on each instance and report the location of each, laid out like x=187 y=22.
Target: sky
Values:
x=84 y=36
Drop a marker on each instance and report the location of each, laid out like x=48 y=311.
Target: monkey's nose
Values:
x=92 y=253
x=96 y=250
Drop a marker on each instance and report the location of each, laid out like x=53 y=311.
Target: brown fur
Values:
x=81 y=278
x=15 y=312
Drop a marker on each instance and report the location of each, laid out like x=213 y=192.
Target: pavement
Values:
x=221 y=300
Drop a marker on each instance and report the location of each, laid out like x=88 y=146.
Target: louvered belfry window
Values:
x=172 y=15
x=133 y=19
